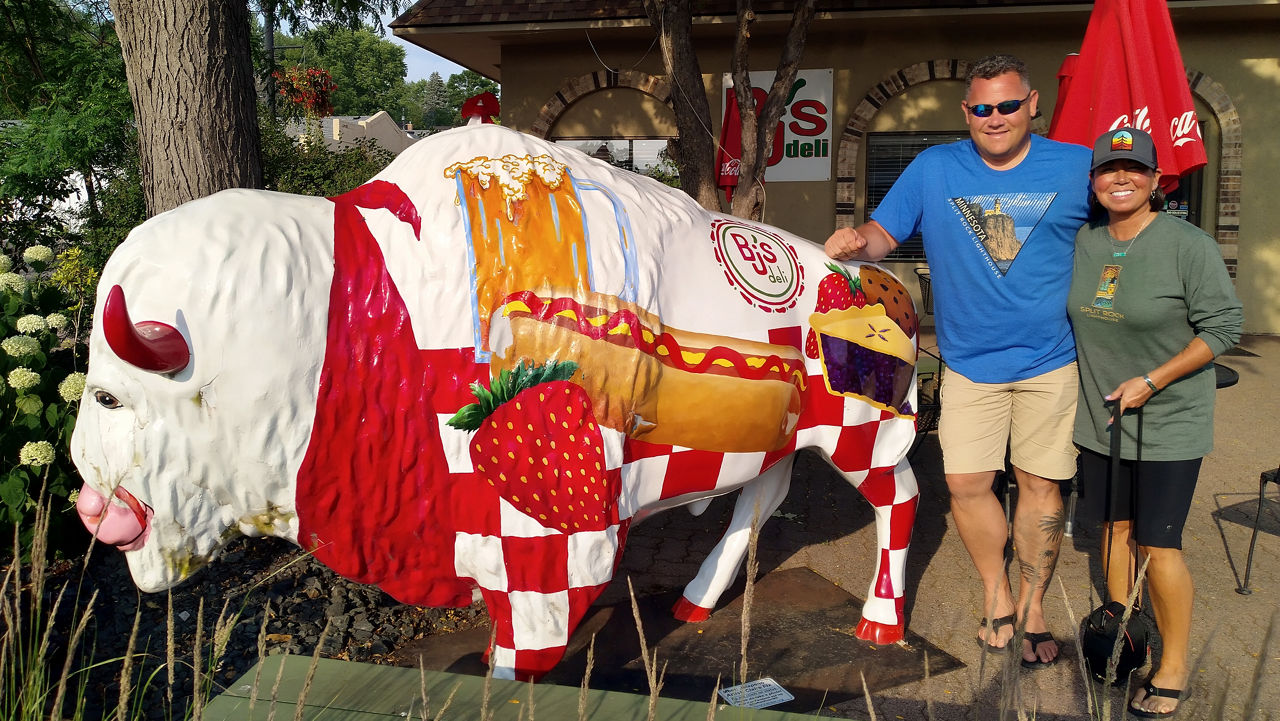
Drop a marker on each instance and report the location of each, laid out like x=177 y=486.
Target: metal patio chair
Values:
x=1266 y=477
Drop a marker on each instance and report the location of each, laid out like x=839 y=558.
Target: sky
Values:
x=420 y=63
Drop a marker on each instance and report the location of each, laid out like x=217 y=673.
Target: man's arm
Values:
x=868 y=241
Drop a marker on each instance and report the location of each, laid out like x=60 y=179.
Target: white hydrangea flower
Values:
x=23 y=378
x=6 y=263
x=56 y=321
x=31 y=324
x=2 y=384
x=13 y=282
x=71 y=387
x=20 y=346
x=38 y=254
x=36 y=453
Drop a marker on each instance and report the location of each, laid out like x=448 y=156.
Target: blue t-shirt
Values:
x=1000 y=245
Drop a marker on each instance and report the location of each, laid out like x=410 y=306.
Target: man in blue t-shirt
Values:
x=998 y=214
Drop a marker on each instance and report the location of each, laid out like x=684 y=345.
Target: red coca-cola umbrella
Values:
x=1129 y=73
x=729 y=151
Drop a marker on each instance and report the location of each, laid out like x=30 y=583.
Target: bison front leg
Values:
x=545 y=586
x=894 y=494
x=757 y=500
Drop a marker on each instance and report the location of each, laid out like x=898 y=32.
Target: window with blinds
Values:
x=888 y=154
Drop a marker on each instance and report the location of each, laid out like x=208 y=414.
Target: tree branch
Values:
x=757 y=139
x=694 y=151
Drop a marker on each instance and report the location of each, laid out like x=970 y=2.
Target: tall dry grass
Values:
x=46 y=664
x=50 y=663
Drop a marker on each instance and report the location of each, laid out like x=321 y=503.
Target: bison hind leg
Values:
x=893 y=494
x=757 y=500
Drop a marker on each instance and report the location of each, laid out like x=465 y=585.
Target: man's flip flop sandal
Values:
x=995 y=628
x=1036 y=638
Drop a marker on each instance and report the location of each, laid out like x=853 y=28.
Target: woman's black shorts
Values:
x=1164 y=495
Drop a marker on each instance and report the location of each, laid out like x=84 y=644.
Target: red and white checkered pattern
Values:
x=538 y=582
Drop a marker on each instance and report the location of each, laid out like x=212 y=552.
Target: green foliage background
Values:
x=70 y=182
x=40 y=412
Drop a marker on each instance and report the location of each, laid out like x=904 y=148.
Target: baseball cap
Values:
x=1125 y=144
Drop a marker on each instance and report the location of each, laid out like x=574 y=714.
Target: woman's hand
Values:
x=1133 y=393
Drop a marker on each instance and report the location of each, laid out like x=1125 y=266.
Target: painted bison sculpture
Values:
x=477 y=371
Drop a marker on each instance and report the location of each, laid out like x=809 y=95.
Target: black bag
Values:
x=1102 y=629
x=1098 y=640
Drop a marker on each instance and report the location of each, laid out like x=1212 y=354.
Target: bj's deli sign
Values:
x=802 y=137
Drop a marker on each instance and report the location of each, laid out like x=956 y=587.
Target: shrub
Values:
x=43 y=302
x=311 y=168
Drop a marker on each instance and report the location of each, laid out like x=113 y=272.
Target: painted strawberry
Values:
x=837 y=291
x=537 y=442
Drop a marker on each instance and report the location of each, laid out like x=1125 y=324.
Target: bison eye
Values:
x=106 y=400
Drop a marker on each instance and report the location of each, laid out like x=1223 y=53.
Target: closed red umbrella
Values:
x=729 y=151
x=1129 y=73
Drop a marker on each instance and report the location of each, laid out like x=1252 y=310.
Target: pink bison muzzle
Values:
x=293 y=366
x=124 y=527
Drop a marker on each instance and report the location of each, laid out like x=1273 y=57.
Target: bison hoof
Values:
x=879 y=633
x=690 y=612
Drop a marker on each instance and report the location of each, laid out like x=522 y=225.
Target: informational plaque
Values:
x=760 y=693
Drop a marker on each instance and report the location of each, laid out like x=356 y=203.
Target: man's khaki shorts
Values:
x=1034 y=418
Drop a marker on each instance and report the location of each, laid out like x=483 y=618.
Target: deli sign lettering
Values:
x=802 y=138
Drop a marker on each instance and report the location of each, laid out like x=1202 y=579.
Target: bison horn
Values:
x=149 y=345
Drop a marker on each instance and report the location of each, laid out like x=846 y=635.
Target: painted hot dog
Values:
x=654 y=382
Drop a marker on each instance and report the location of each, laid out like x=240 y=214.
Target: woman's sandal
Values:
x=995 y=628
x=1174 y=693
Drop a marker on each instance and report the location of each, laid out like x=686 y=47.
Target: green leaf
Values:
x=506 y=386
x=468 y=418
x=29 y=405
x=13 y=489
x=837 y=268
x=558 y=371
x=484 y=398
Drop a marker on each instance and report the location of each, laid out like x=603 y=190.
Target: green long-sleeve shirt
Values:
x=1133 y=313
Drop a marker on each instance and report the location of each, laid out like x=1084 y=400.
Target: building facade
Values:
x=578 y=72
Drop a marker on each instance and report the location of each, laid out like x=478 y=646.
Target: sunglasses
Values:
x=1008 y=107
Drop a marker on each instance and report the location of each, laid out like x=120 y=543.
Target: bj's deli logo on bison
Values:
x=761 y=266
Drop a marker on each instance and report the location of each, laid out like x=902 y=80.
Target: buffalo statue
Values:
x=477 y=371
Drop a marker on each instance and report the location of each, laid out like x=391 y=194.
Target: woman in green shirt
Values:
x=1151 y=305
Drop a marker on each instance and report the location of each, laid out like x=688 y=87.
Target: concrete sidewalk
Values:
x=826 y=526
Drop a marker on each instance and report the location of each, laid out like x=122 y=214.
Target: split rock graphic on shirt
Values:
x=1000 y=224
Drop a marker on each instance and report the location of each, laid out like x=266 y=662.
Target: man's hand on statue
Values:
x=845 y=243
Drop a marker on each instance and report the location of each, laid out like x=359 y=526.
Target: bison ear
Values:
x=149 y=345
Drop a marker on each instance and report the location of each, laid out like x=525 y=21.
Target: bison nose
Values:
x=122 y=526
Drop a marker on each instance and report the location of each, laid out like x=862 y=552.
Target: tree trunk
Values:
x=757 y=132
x=90 y=191
x=191 y=79
x=269 y=21
x=694 y=151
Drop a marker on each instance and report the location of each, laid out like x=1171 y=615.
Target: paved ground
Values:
x=827 y=527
